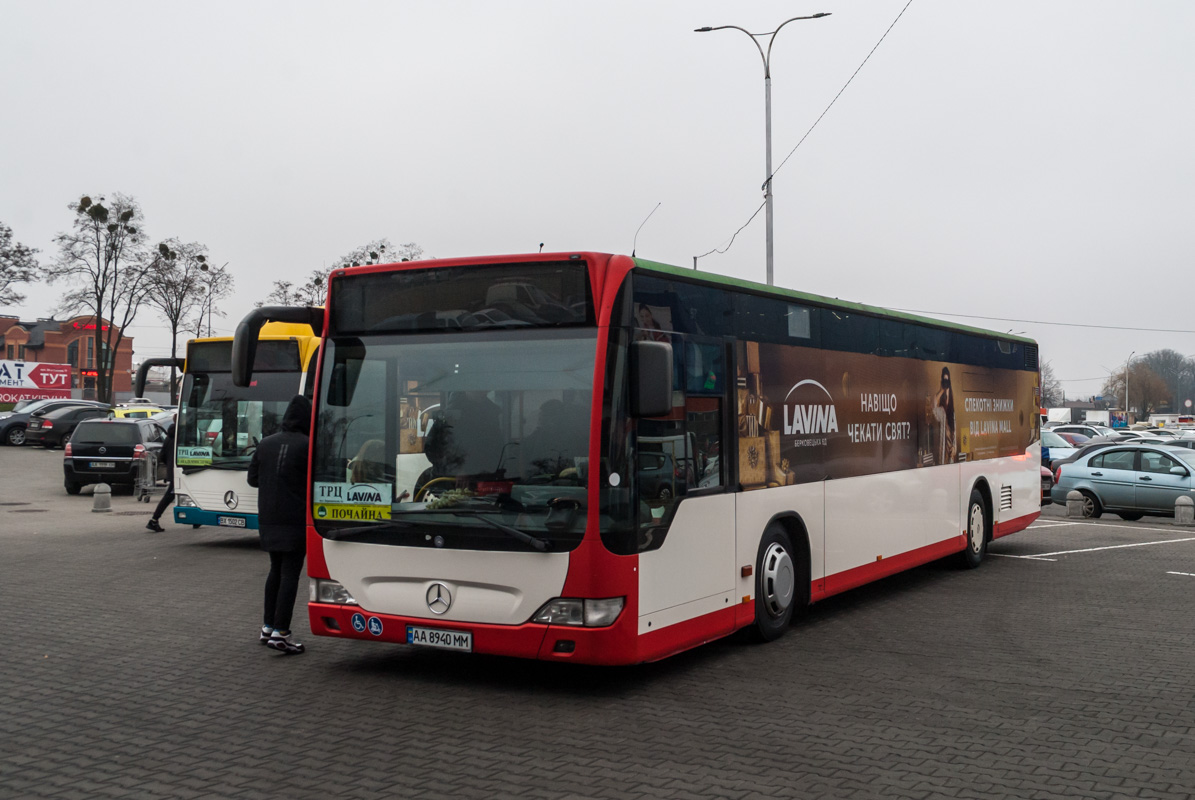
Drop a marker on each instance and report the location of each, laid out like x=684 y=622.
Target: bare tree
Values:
x=17 y=265
x=1175 y=369
x=216 y=284
x=177 y=289
x=1051 y=388
x=313 y=290
x=1147 y=391
x=102 y=260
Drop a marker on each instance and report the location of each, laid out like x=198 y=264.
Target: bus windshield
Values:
x=461 y=440
x=219 y=424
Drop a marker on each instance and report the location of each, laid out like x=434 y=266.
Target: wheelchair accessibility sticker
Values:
x=359 y=623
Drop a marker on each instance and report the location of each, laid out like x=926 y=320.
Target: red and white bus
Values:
x=601 y=459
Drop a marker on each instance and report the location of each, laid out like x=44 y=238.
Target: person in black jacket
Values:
x=167 y=456
x=279 y=471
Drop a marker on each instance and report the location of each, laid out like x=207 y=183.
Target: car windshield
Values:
x=1051 y=439
x=220 y=424
x=446 y=435
x=32 y=406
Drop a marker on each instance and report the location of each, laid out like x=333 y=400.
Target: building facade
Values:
x=70 y=341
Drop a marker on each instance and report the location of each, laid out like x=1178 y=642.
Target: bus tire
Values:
x=775 y=584
x=978 y=527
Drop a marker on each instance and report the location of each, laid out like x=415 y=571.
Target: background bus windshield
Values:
x=220 y=424
x=453 y=430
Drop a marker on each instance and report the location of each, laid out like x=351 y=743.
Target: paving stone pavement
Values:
x=131 y=669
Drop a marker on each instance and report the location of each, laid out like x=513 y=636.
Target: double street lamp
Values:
x=767 y=88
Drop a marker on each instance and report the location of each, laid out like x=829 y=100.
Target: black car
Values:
x=54 y=427
x=110 y=451
x=13 y=423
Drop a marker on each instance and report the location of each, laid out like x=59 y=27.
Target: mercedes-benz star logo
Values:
x=230 y=499
x=439 y=599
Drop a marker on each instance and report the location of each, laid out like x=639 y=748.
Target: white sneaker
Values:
x=283 y=644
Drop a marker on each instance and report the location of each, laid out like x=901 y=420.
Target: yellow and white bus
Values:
x=219 y=424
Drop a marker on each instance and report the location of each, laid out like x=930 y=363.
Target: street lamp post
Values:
x=767 y=94
x=1127 y=364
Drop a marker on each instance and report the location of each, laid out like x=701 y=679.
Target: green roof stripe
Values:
x=759 y=288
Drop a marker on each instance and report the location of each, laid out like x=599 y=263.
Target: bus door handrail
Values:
x=244 y=342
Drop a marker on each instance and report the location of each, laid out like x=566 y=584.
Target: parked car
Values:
x=1187 y=442
x=1075 y=439
x=134 y=411
x=54 y=427
x=1054 y=447
x=1087 y=449
x=1090 y=431
x=110 y=451
x=14 y=423
x=1047 y=483
x=1132 y=481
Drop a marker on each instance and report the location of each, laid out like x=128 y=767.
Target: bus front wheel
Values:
x=775 y=584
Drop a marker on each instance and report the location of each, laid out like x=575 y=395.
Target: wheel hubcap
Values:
x=1088 y=506
x=976 y=529
x=17 y=437
x=778 y=579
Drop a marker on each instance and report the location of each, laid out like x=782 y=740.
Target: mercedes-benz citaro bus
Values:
x=219 y=424
x=601 y=459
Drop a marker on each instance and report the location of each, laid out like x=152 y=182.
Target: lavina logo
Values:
x=364 y=494
x=810 y=418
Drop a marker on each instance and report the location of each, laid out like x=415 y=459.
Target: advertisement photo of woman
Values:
x=945 y=440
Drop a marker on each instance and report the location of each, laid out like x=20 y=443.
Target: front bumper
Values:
x=192 y=515
x=615 y=644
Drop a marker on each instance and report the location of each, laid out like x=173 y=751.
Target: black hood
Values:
x=298 y=415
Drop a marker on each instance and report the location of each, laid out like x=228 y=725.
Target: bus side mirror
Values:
x=651 y=378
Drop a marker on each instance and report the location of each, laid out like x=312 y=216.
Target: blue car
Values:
x=1132 y=481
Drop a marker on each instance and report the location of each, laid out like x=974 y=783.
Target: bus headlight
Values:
x=185 y=501
x=582 y=612
x=330 y=592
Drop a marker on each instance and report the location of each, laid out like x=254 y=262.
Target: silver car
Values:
x=1131 y=481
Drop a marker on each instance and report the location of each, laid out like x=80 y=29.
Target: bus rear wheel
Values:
x=775 y=585
x=977 y=532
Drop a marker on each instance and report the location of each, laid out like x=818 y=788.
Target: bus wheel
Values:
x=775 y=585
x=977 y=531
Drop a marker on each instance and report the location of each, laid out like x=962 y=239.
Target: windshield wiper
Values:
x=369 y=531
x=533 y=541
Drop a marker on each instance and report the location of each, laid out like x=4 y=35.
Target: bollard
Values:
x=1074 y=503
x=103 y=498
x=1184 y=511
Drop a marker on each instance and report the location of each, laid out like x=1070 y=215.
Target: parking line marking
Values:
x=1026 y=558
x=1112 y=547
x=1188 y=574
x=1099 y=524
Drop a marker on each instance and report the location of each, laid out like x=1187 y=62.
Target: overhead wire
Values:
x=1044 y=322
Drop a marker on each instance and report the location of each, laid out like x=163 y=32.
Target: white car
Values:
x=1087 y=430
x=1054 y=447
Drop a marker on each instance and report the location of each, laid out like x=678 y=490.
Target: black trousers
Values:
x=167 y=498
x=282 y=585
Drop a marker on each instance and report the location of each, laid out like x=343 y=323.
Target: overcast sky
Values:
x=1028 y=160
